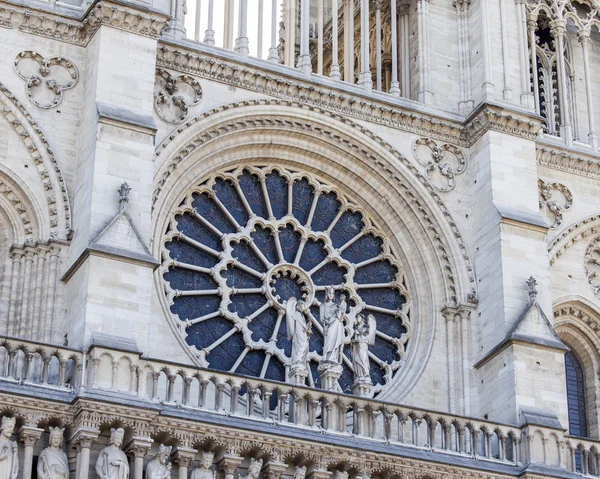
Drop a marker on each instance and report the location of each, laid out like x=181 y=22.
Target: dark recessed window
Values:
x=575 y=396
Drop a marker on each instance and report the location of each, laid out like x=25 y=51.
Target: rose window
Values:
x=245 y=241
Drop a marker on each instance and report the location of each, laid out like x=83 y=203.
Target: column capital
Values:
x=85 y=436
x=583 y=35
x=320 y=474
x=30 y=435
x=558 y=28
x=275 y=469
x=229 y=463
x=139 y=446
x=184 y=456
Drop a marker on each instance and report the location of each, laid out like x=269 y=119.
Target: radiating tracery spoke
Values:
x=245 y=241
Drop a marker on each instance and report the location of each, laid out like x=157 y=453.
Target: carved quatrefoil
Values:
x=442 y=162
x=173 y=95
x=555 y=198
x=45 y=78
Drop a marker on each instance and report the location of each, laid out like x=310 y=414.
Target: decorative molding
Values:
x=580 y=311
x=497 y=118
x=440 y=171
x=46 y=165
x=592 y=265
x=553 y=208
x=9 y=191
x=247 y=123
x=572 y=235
x=571 y=161
x=173 y=96
x=79 y=31
x=33 y=81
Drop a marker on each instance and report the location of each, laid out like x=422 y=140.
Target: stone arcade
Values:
x=289 y=239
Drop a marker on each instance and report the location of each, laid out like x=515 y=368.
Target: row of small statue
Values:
x=112 y=462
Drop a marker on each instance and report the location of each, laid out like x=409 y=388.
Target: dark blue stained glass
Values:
x=328 y=206
x=203 y=334
x=246 y=256
x=277 y=187
x=236 y=278
x=346 y=379
x=197 y=231
x=252 y=363
x=228 y=195
x=289 y=239
x=313 y=253
x=275 y=371
x=348 y=352
x=383 y=297
x=191 y=307
x=362 y=249
x=282 y=341
x=315 y=373
x=285 y=287
x=316 y=341
x=384 y=350
x=185 y=253
x=303 y=194
x=378 y=272
x=224 y=356
x=576 y=396
x=246 y=304
x=211 y=213
x=347 y=227
x=330 y=274
x=389 y=324
x=252 y=189
x=263 y=325
x=265 y=242
x=184 y=279
x=377 y=374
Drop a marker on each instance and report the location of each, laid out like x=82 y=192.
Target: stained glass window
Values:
x=245 y=241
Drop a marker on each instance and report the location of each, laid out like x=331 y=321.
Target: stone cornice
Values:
x=574 y=161
x=67 y=26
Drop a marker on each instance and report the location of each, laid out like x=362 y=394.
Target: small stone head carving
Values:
x=56 y=436
x=116 y=436
x=163 y=453
x=8 y=426
x=207 y=460
x=300 y=472
x=329 y=293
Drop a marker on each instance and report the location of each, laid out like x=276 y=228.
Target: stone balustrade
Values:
x=128 y=374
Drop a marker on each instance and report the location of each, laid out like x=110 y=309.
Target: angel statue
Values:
x=9 y=454
x=332 y=316
x=112 y=462
x=160 y=467
x=53 y=462
x=362 y=337
x=298 y=330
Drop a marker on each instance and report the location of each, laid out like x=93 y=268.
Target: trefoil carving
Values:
x=46 y=79
x=174 y=95
x=442 y=162
x=555 y=199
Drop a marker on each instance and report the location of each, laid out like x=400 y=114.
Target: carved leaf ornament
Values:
x=555 y=199
x=442 y=162
x=174 y=95
x=592 y=265
x=46 y=79
x=245 y=241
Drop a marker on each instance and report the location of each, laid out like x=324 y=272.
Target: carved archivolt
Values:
x=555 y=198
x=21 y=208
x=57 y=74
x=592 y=265
x=174 y=95
x=442 y=162
x=572 y=235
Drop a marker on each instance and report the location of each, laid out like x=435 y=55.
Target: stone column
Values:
x=558 y=29
x=364 y=77
x=84 y=438
x=137 y=448
x=584 y=39
x=29 y=436
x=395 y=84
x=329 y=373
x=229 y=464
x=335 y=64
x=182 y=458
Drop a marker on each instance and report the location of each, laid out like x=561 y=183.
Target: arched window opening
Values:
x=575 y=396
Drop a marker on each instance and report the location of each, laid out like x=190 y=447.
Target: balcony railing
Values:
x=127 y=374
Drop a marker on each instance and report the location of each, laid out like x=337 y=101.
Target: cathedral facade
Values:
x=276 y=239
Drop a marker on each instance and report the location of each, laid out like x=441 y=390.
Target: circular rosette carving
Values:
x=442 y=162
x=46 y=79
x=173 y=95
x=244 y=242
x=592 y=265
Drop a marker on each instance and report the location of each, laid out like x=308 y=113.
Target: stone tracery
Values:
x=246 y=241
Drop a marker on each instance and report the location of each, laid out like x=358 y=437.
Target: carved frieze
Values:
x=442 y=162
x=555 y=199
x=174 y=94
x=45 y=78
x=592 y=265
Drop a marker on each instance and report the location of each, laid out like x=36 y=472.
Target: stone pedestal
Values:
x=330 y=372
x=298 y=374
x=363 y=387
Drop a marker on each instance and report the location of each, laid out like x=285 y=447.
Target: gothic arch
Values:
x=572 y=235
x=577 y=323
x=342 y=153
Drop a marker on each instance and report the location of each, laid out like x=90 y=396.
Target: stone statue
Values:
x=332 y=317
x=9 y=454
x=300 y=472
x=205 y=471
x=160 y=467
x=53 y=462
x=298 y=330
x=112 y=462
x=362 y=337
x=254 y=469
